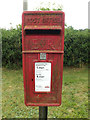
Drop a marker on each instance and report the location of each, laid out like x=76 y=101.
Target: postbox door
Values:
x=43 y=60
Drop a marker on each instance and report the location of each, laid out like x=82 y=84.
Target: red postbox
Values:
x=42 y=50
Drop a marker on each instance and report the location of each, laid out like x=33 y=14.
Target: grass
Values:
x=74 y=96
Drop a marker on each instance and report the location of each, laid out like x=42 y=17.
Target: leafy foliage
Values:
x=11 y=47
x=75 y=47
x=49 y=6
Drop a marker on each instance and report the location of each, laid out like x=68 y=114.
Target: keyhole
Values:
x=32 y=79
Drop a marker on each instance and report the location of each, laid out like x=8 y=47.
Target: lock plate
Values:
x=42 y=56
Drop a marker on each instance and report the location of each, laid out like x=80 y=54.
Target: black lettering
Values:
x=41 y=67
x=41 y=76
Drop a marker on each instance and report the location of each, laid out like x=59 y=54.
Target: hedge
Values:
x=75 y=47
x=12 y=47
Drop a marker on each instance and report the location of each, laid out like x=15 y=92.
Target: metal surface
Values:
x=25 y=5
x=43 y=113
x=42 y=27
x=43 y=32
x=42 y=56
x=43 y=51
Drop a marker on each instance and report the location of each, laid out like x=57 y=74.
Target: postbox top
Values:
x=44 y=12
x=51 y=20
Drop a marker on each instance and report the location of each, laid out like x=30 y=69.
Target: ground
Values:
x=74 y=95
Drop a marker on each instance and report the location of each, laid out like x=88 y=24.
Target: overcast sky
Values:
x=76 y=11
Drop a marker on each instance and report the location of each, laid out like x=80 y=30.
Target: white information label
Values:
x=42 y=76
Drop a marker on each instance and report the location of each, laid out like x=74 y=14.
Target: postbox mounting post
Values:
x=43 y=110
x=25 y=5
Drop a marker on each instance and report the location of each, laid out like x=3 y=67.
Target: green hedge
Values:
x=75 y=47
x=12 y=47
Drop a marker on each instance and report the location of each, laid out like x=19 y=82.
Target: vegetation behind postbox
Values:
x=75 y=47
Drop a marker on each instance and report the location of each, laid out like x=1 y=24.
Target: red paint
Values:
x=42 y=32
x=42 y=27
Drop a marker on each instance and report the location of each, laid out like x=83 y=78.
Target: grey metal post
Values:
x=89 y=15
x=25 y=5
x=43 y=110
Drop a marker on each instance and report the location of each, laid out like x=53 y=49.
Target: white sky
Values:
x=76 y=11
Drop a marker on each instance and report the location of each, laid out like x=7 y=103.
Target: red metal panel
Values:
x=42 y=32
x=32 y=27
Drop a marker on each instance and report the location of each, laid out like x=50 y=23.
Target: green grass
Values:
x=74 y=96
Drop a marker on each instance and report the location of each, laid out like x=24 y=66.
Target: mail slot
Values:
x=42 y=51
